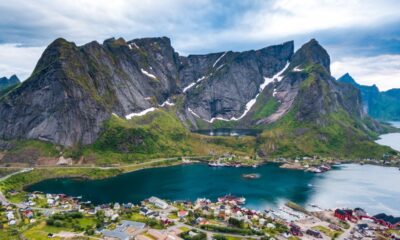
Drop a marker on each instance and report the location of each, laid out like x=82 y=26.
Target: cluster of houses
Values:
x=206 y=212
x=360 y=214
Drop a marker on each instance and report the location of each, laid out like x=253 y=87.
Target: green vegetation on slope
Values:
x=335 y=139
x=156 y=135
x=18 y=181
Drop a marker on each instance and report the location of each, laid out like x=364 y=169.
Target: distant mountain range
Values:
x=8 y=83
x=380 y=105
x=141 y=97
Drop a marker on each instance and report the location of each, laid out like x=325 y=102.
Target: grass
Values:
x=340 y=137
x=158 y=134
x=41 y=231
x=265 y=106
x=19 y=181
x=7 y=171
x=137 y=217
x=328 y=232
x=184 y=229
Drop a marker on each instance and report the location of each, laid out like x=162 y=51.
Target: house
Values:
x=28 y=214
x=314 y=233
x=360 y=213
x=10 y=215
x=124 y=231
x=182 y=214
x=158 y=202
x=343 y=214
x=117 y=206
x=145 y=211
x=295 y=230
x=387 y=220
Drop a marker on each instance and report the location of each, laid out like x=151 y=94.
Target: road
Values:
x=3 y=199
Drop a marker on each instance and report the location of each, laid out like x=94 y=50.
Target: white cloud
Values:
x=382 y=70
x=194 y=26
x=15 y=59
x=291 y=17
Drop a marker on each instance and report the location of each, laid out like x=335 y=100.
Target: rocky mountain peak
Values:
x=311 y=53
x=347 y=78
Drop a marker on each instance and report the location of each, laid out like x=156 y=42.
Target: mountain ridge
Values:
x=75 y=91
x=382 y=105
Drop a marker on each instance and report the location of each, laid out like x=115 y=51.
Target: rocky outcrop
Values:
x=308 y=88
x=226 y=82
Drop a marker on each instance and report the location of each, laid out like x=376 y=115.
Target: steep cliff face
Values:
x=226 y=82
x=307 y=88
x=74 y=90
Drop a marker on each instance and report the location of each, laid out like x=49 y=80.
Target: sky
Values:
x=361 y=36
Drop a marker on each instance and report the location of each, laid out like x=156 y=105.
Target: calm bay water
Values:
x=391 y=139
x=371 y=187
x=228 y=132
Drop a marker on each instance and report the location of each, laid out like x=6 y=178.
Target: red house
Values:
x=343 y=214
x=295 y=230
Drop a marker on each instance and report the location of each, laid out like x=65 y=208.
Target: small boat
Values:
x=255 y=166
x=216 y=164
x=251 y=175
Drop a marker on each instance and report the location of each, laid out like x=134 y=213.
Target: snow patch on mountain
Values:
x=148 y=74
x=138 y=114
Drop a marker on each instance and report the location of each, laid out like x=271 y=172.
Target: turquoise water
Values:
x=371 y=187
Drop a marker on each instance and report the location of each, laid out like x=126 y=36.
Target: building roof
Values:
x=340 y=211
x=115 y=234
x=388 y=218
x=124 y=230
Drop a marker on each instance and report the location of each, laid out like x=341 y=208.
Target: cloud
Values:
x=292 y=17
x=200 y=26
x=15 y=59
x=193 y=25
x=382 y=70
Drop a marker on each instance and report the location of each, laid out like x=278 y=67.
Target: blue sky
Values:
x=362 y=36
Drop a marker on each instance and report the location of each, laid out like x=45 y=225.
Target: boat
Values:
x=251 y=175
x=216 y=164
x=255 y=166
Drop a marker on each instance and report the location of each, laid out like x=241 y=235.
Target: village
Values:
x=57 y=216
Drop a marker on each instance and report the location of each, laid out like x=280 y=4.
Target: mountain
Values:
x=142 y=97
x=7 y=84
x=381 y=105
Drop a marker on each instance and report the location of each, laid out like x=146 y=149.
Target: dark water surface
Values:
x=372 y=187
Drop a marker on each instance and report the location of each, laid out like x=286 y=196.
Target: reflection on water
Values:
x=371 y=187
x=233 y=132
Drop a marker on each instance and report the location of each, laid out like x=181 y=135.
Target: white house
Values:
x=158 y=202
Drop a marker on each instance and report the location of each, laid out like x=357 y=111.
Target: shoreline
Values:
x=176 y=161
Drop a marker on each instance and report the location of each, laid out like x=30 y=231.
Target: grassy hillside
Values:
x=340 y=137
x=158 y=134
